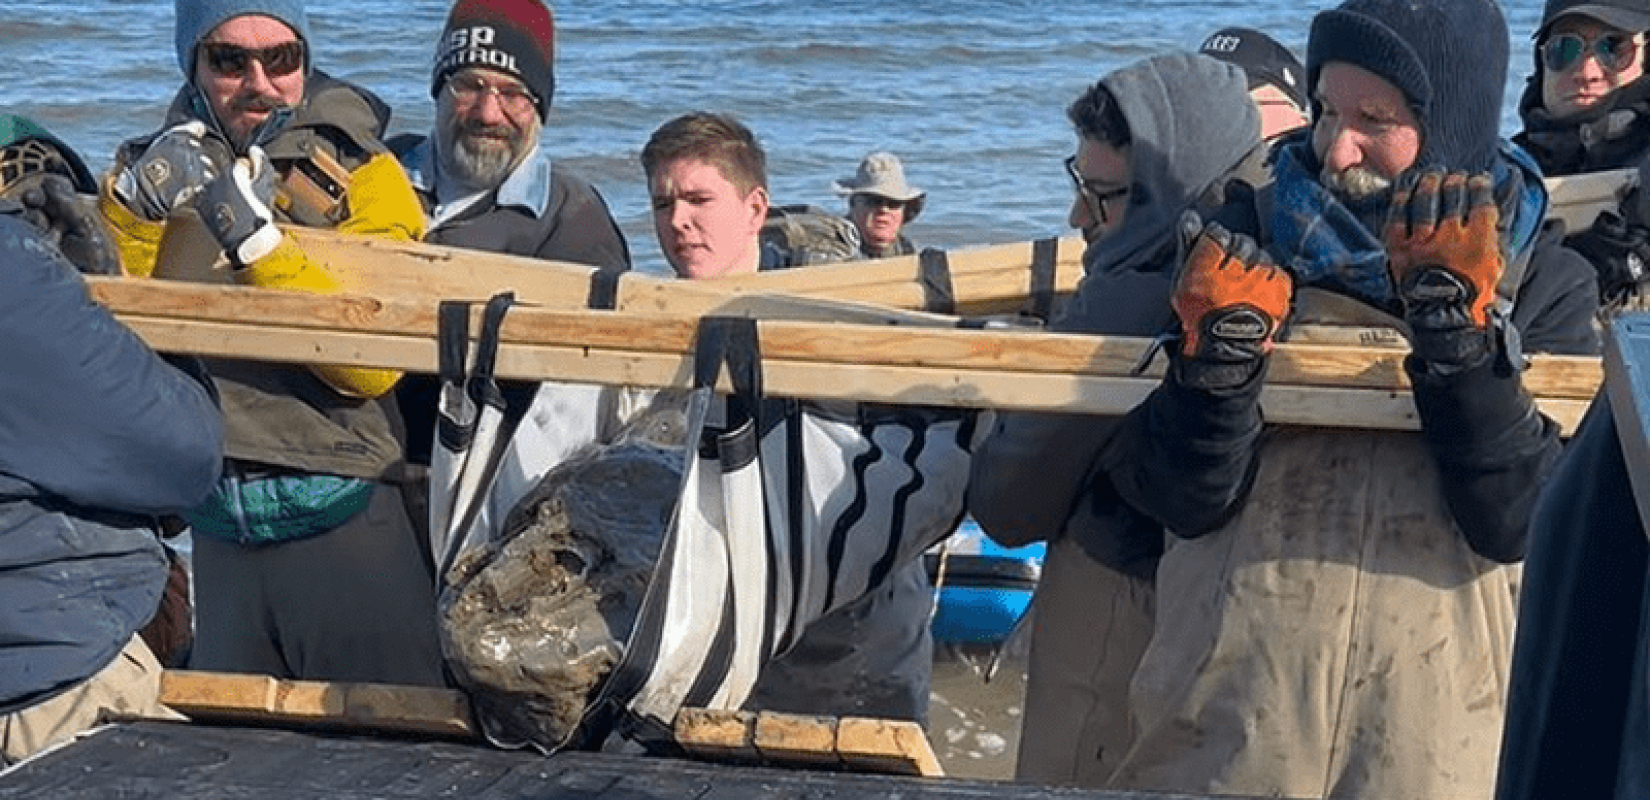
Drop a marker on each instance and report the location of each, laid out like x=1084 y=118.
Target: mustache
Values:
x=258 y=101
x=1355 y=182
x=483 y=129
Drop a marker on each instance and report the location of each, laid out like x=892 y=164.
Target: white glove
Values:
x=235 y=207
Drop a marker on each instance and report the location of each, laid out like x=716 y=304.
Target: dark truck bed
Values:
x=179 y=761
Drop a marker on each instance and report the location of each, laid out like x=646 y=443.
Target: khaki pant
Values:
x=128 y=687
x=1090 y=624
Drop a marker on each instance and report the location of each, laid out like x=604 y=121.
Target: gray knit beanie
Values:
x=197 y=18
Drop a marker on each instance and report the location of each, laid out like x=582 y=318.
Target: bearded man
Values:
x=306 y=566
x=480 y=174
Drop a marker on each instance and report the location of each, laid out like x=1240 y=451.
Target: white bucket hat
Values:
x=881 y=174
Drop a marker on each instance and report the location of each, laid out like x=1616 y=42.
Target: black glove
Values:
x=51 y=204
x=235 y=208
x=170 y=170
x=1619 y=251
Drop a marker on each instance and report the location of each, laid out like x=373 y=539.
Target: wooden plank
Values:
x=796 y=740
x=360 y=707
x=883 y=745
x=727 y=737
x=985 y=280
x=1578 y=199
x=879 y=363
x=1016 y=351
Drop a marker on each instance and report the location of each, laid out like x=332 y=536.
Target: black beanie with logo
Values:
x=516 y=37
x=1449 y=57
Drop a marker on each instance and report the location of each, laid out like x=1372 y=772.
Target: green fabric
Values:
x=15 y=128
x=279 y=509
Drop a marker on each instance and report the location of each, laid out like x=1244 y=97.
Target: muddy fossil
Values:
x=533 y=622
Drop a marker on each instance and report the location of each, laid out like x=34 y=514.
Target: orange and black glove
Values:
x=1231 y=299
x=1443 y=242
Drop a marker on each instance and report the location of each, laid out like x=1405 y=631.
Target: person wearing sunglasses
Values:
x=306 y=563
x=1154 y=139
x=881 y=204
x=1587 y=109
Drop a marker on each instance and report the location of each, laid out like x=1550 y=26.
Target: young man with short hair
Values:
x=707 y=175
x=1587 y=109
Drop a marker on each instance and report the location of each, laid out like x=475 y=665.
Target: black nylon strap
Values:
x=452 y=340
x=935 y=268
x=604 y=290
x=1043 y=253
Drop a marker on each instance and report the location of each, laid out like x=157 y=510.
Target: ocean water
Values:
x=971 y=94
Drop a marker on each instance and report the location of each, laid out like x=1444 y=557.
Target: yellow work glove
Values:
x=137 y=239
x=381 y=203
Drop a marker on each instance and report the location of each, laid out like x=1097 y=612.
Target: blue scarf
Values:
x=1327 y=243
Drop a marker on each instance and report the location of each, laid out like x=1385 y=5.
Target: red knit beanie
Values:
x=516 y=37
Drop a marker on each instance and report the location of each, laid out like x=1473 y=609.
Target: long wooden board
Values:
x=1578 y=199
x=1332 y=385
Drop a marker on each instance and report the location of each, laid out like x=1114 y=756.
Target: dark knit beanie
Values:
x=516 y=37
x=1449 y=57
x=1265 y=62
x=1628 y=15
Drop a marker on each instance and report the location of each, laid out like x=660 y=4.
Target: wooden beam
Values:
x=985 y=280
x=885 y=745
x=1311 y=384
x=1578 y=199
x=359 y=707
x=857 y=744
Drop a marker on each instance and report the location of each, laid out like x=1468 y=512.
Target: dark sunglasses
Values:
x=1614 y=51
x=232 y=60
x=878 y=202
x=1094 y=200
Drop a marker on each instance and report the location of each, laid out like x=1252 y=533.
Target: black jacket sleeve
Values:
x=1187 y=457
x=1494 y=448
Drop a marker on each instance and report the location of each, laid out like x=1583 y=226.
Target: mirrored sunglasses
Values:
x=232 y=60
x=1563 y=51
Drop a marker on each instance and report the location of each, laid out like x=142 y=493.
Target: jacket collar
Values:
x=527 y=187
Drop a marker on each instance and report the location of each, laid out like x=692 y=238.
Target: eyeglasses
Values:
x=469 y=89
x=232 y=60
x=1094 y=199
x=878 y=202
x=1614 y=51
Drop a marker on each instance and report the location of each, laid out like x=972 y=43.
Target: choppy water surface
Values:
x=970 y=93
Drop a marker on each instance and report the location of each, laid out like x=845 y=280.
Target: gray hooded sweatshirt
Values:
x=1192 y=124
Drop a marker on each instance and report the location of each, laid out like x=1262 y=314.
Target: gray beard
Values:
x=473 y=168
x=1354 y=183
